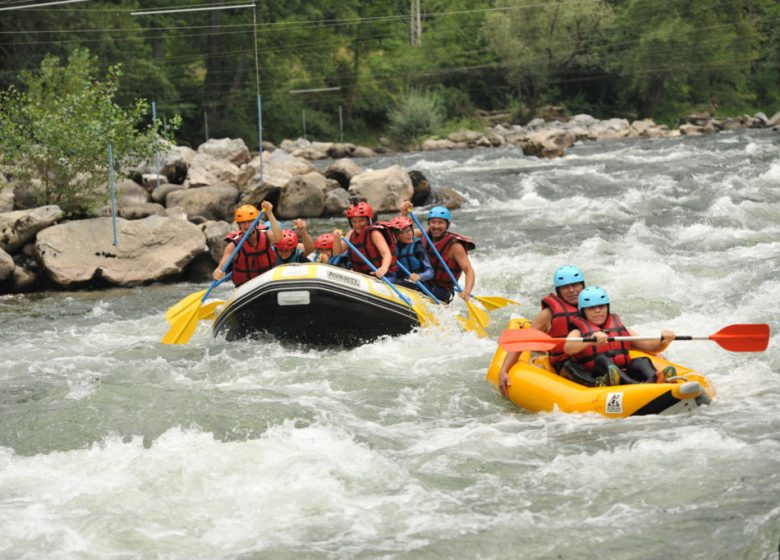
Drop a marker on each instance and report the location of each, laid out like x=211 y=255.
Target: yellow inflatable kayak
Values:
x=536 y=387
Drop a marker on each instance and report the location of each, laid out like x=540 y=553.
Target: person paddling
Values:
x=256 y=255
x=411 y=254
x=557 y=310
x=605 y=362
x=373 y=240
x=453 y=247
x=324 y=251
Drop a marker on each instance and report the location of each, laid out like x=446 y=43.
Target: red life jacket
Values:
x=617 y=351
x=562 y=313
x=362 y=241
x=440 y=276
x=251 y=260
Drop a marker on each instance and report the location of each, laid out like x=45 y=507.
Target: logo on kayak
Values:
x=614 y=403
x=343 y=278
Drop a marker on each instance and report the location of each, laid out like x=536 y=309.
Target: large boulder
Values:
x=6 y=200
x=19 y=227
x=339 y=150
x=173 y=162
x=151 y=249
x=129 y=192
x=383 y=189
x=422 y=188
x=213 y=203
x=775 y=120
x=215 y=233
x=280 y=159
x=343 y=170
x=6 y=265
x=232 y=149
x=206 y=170
x=336 y=202
x=549 y=143
x=433 y=144
x=303 y=197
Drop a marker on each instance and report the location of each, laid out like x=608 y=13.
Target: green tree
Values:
x=417 y=114
x=58 y=126
x=538 y=42
x=682 y=53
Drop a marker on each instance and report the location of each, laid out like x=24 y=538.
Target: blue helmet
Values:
x=592 y=297
x=440 y=212
x=567 y=274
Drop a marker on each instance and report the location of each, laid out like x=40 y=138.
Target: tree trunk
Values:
x=649 y=101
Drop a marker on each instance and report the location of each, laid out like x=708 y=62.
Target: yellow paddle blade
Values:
x=478 y=315
x=207 y=312
x=471 y=325
x=183 y=305
x=183 y=326
x=492 y=303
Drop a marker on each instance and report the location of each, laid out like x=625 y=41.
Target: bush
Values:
x=57 y=129
x=418 y=113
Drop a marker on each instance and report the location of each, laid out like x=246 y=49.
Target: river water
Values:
x=114 y=446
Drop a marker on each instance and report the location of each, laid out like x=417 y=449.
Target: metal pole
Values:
x=341 y=126
x=206 y=123
x=259 y=98
x=157 y=145
x=113 y=189
x=303 y=117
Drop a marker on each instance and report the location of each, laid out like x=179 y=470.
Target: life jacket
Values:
x=295 y=257
x=440 y=276
x=362 y=242
x=562 y=313
x=617 y=351
x=406 y=256
x=251 y=260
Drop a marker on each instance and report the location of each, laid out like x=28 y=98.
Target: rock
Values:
x=548 y=143
x=160 y=195
x=384 y=189
x=340 y=150
x=447 y=197
x=6 y=200
x=176 y=212
x=233 y=150
x=24 y=196
x=20 y=226
x=213 y=203
x=699 y=118
x=422 y=189
x=761 y=120
x=775 y=120
x=215 y=233
x=689 y=129
x=150 y=181
x=535 y=123
x=583 y=120
x=174 y=161
x=280 y=159
x=129 y=192
x=432 y=145
x=206 y=171
x=641 y=128
x=7 y=265
x=494 y=139
x=336 y=202
x=467 y=136
x=343 y=170
x=23 y=279
x=302 y=197
x=364 y=152
x=200 y=269
x=81 y=252
x=140 y=211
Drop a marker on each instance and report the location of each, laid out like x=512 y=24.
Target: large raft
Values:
x=536 y=387
x=318 y=304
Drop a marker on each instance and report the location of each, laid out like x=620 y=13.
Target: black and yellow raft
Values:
x=536 y=387
x=319 y=304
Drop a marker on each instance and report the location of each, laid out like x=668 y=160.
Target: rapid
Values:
x=115 y=446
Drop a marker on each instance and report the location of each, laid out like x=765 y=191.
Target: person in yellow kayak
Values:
x=453 y=247
x=373 y=240
x=605 y=362
x=256 y=255
x=557 y=310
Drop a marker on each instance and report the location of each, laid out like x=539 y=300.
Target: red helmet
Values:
x=324 y=241
x=361 y=209
x=288 y=241
x=401 y=222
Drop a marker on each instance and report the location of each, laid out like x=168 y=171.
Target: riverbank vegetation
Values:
x=321 y=63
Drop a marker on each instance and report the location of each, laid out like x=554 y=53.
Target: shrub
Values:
x=418 y=113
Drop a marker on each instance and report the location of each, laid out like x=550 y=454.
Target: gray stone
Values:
x=342 y=170
x=19 y=227
x=140 y=211
x=384 y=189
x=150 y=249
x=302 y=197
x=233 y=150
x=6 y=200
x=129 y=192
x=215 y=233
x=160 y=195
x=336 y=202
x=206 y=170
x=213 y=203
x=7 y=265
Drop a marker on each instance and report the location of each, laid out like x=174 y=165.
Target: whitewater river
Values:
x=114 y=446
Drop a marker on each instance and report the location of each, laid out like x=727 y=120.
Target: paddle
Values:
x=420 y=314
x=175 y=310
x=419 y=283
x=474 y=312
x=186 y=316
x=735 y=338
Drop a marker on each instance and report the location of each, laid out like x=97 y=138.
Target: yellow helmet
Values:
x=246 y=213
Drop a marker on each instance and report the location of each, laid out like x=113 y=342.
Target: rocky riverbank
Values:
x=171 y=224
